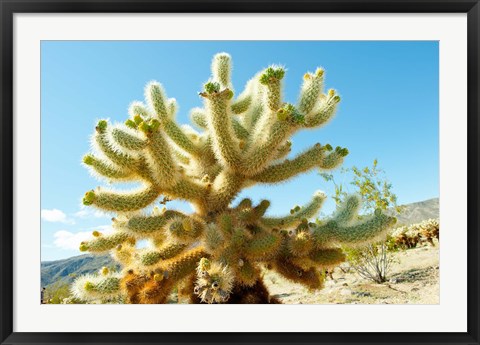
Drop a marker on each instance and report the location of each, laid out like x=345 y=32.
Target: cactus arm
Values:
x=121 y=201
x=138 y=109
x=239 y=130
x=185 y=230
x=183 y=264
x=181 y=158
x=155 y=292
x=333 y=159
x=103 y=168
x=221 y=128
x=327 y=257
x=241 y=104
x=102 y=141
x=128 y=138
x=290 y=168
x=147 y=225
x=158 y=101
x=263 y=245
x=356 y=233
x=104 y=243
x=348 y=210
x=246 y=272
x=311 y=89
x=225 y=187
x=159 y=159
x=271 y=80
x=188 y=190
x=250 y=215
x=168 y=251
x=90 y=287
x=260 y=155
x=311 y=278
x=323 y=112
x=306 y=212
x=199 y=117
x=299 y=244
x=123 y=254
x=222 y=69
x=251 y=116
x=179 y=137
x=213 y=239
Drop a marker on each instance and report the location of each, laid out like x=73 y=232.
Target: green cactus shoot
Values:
x=218 y=253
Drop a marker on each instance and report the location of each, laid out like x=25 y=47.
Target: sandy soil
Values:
x=414 y=279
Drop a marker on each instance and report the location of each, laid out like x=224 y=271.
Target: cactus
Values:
x=406 y=237
x=218 y=253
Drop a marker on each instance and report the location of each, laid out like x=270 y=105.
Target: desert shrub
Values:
x=374 y=260
x=57 y=292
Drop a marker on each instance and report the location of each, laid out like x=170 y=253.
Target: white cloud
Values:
x=56 y=216
x=71 y=241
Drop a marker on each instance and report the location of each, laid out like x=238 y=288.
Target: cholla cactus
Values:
x=412 y=235
x=217 y=253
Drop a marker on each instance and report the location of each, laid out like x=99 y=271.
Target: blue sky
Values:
x=389 y=111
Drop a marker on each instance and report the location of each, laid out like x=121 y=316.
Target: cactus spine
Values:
x=216 y=254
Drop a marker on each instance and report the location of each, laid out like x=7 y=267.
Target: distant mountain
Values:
x=418 y=211
x=67 y=269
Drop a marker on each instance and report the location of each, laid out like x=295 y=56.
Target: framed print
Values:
x=205 y=172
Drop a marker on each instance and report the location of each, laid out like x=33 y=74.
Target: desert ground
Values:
x=414 y=279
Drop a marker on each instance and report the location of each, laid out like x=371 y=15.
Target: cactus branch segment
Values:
x=297 y=215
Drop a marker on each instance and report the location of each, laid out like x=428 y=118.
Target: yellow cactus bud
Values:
x=204 y=264
x=105 y=271
x=137 y=119
x=158 y=277
x=228 y=94
x=89 y=286
x=89 y=198
x=319 y=72
x=96 y=233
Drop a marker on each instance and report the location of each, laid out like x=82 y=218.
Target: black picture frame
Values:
x=7 y=10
